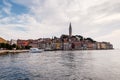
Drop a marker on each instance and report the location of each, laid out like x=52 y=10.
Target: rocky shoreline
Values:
x=2 y=52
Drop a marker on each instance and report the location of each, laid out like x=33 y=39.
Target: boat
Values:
x=35 y=50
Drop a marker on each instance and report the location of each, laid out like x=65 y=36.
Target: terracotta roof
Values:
x=2 y=40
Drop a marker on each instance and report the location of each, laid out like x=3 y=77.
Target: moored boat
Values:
x=35 y=50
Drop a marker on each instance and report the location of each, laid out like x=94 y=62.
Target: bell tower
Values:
x=70 y=30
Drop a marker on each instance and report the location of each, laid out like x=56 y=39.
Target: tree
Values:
x=27 y=47
x=3 y=45
x=17 y=47
x=80 y=37
x=64 y=36
x=14 y=46
x=90 y=39
x=8 y=46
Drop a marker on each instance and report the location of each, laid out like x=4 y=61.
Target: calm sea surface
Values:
x=61 y=65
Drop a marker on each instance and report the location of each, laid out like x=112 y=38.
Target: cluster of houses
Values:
x=65 y=42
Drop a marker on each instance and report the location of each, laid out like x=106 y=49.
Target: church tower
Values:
x=70 y=30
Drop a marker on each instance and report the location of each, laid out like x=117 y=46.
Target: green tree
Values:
x=80 y=37
x=27 y=47
x=90 y=39
x=14 y=46
x=3 y=45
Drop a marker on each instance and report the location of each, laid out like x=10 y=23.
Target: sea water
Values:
x=61 y=65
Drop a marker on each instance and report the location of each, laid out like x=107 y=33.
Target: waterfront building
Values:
x=41 y=43
x=66 y=46
x=2 y=40
x=98 y=44
x=44 y=43
x=77 y=45
x=103 y=45
x=33 y=43
x=22 y=43
x=94 y=46
x=106 y=45
x=89 y=46
x=12 y=41
x=109 y=46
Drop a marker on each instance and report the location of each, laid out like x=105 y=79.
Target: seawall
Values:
x=2 y=52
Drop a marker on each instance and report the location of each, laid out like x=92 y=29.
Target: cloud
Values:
x=25 y=27
x=7 y=7
x=108 y=19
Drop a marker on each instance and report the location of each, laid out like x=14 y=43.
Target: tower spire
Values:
x=70 y=30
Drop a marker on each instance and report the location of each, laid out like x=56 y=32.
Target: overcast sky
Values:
x=33 y=19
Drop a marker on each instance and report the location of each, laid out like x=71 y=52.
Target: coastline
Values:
x=2 y=52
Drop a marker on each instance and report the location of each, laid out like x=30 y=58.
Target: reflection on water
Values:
x=61 y=65
x=67 y=60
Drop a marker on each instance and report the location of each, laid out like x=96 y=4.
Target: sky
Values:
x=33 y=19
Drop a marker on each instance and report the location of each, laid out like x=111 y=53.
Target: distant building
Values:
x=12 y=41
x=44 y=43
x=33 y=43
x=98 y=45
x=22 y=43
x=106 y=45
x=70 y=30
x=2 y=40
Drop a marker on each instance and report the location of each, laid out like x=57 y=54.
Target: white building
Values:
x=12 y=41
